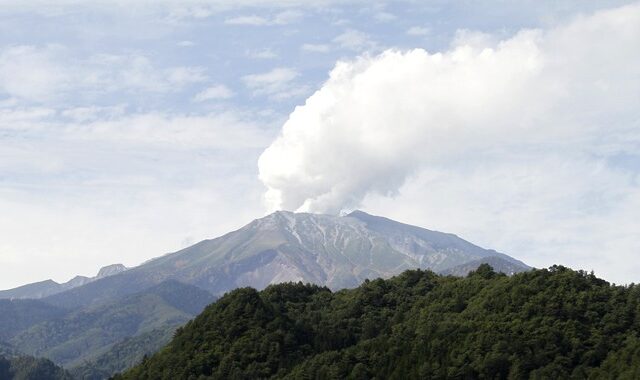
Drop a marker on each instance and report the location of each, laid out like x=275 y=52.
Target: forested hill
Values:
x=544 y=324
x=30 y=368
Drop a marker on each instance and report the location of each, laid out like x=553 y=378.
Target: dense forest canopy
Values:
x=543 y=324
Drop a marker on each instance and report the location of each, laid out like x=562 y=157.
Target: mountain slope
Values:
x=339 y=252
x=541 y=324
x=123 y=355
x=83 y=335
x=30 y=368
x=49 y=287
x=7 y=350
x=19 y=315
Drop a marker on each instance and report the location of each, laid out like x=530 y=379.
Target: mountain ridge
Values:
x=338 y=252
x=49 y=287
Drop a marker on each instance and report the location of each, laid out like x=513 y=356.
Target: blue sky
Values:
x=132 y=129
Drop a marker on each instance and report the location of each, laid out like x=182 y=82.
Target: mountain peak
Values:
x=76 y=281
x=110 y=270
x=282 y=212
x=357 y=213
x=284 y=215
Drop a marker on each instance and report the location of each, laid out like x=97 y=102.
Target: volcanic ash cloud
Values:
x=378 y=120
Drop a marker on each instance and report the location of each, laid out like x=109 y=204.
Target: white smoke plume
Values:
x=379 y=120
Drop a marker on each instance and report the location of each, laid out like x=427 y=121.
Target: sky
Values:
x=130 y=129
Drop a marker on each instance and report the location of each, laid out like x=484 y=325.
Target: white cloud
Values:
x=47 y=73
x=32 y=73
x=316 y=48
x=215 y=131
x=179 y=9
x=265 y=53
x=181 y=76
x=277 y=83
x=355 y=40
x=92 y=113
x=247 y=20
x=216 y=92
x=186 y=43
x=418 y=31
x=566 y=97
x=222 y=132
x=137 y=72
x=282 y=18
x=341 y=22
x=67 y=139
x=287 y=17
x=383 y=16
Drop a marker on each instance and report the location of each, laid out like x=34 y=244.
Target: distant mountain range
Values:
x=101 y=325
x=50 y=287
